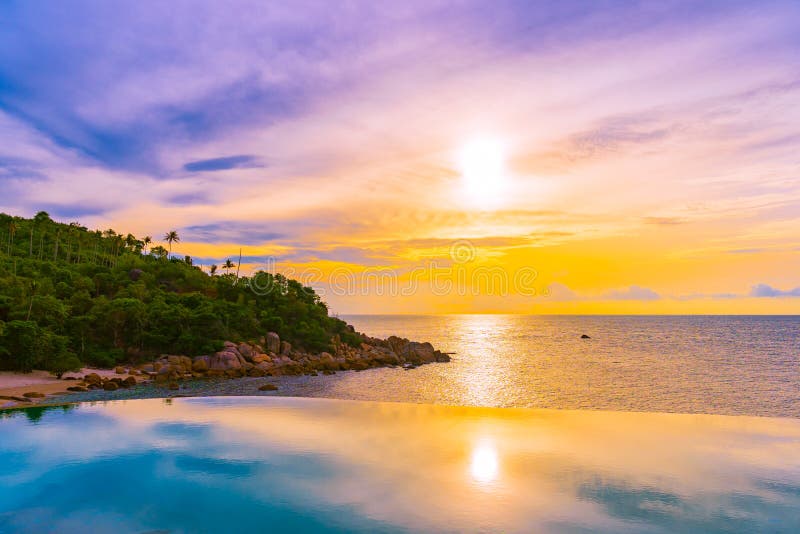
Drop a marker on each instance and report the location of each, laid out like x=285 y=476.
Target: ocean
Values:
x=732 y=365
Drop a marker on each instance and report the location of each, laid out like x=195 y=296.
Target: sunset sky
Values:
x=621 y=157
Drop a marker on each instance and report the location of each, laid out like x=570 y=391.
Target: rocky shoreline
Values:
x=266 y=357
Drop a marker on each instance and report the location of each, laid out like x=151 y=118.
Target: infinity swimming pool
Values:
x=239 y=464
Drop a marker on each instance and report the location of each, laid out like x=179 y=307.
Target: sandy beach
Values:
x=17 y=384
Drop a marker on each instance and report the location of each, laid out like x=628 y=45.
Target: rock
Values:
x=247 y=351
x=200 y=364
x=260 y=358
x=33 y=395
x=129 y=382
x=268 y=387
x=173 y=386
x=134 y=372
x=286 y=347
x=147 y=368
x=273 y=342
x=415 y=352
x=584 y=336
x=110 y=386
x=78 y=389
x=93 y=379
x=13 y=398
x=119 y=370
x=224 y=361
x=69 y=378
x=327 y=362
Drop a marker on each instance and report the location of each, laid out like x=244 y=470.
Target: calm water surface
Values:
x=314 y=465
x=689 y=364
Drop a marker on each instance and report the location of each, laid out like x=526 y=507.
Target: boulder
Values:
x=33 y=395
x=584 y=336
x=173 y=386
x=179 y=363
x=200 y=364
x=273 y=342
x=260 y=358
x=77 y=389
x=286 y=347
x=147 y=368
x=224 y=361
x=418 y=353
x=327 y=362
x=129 y=382
x=93 y=379
x=268 y=387
x=110 y=386
x=246 y=351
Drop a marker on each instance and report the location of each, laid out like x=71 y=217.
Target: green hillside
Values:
x=72 y=296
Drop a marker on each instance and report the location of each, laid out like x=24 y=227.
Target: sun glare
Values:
x=484 y=466
x=482 y=163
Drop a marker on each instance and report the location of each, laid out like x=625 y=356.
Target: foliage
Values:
x=69 y=295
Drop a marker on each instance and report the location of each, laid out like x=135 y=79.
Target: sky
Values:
x=425 y=156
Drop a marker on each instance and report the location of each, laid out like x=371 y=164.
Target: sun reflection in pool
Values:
x=484 y=464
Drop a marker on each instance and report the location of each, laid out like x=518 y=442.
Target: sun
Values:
x=482 y=164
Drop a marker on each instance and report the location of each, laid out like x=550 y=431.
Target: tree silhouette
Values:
x=228 y=265
x=171 y=237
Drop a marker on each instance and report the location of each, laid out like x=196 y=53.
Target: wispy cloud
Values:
x=222 y=164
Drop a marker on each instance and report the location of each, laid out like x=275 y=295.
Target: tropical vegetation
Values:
x=71 y=296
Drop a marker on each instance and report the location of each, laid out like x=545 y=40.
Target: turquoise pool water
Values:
x=239 y=464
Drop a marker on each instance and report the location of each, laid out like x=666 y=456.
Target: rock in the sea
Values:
x=268 y=387
x=33 y=395
x=584 y=336
x=327 y=362
x=78 y=389
x=110 y=386
x=173 y=386
x=129 y=382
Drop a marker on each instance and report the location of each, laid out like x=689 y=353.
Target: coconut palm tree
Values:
x=212 y=269
x=12 y=231
x=147 y=240
x=171 y=237
x=130 y=241
x=228 y=265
